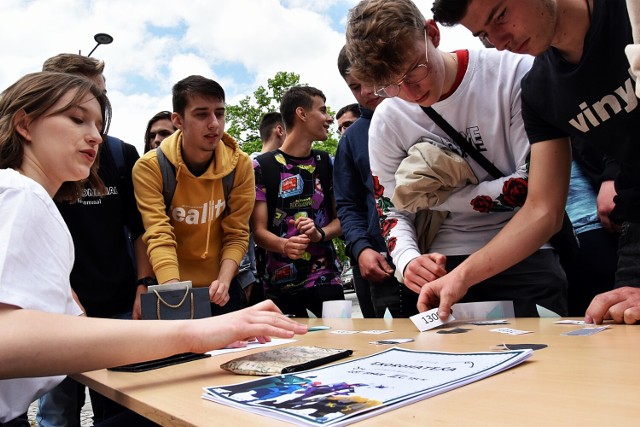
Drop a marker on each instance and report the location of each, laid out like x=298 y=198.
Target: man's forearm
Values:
x=228 y=270
x=143 y=266
x=332 y=230
x=269 y=241
x=524 y=234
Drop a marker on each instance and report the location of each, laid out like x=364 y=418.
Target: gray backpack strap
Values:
x=227 y=186
x=168 y=172
x=247 y=269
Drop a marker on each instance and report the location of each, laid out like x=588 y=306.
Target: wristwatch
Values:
x=147 y=281
x=322 y=233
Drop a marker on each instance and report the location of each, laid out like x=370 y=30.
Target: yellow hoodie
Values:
x=192 y=241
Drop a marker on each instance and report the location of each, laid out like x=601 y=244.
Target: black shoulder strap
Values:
x=227 y=186
x=270 y=170
x=463 y=143
x=116 y=148
x=325 y=172
x=168 y=171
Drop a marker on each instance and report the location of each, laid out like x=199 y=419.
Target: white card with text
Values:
x=429 y=320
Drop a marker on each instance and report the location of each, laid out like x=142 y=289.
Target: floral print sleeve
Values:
x=499 y=195
x=397 y=228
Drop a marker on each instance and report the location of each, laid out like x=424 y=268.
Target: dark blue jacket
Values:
x=353 y=189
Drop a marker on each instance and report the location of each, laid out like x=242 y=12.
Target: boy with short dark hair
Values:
x=294 y=217
x=204 y=232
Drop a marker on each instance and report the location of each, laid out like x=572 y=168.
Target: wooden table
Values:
x=576 y=380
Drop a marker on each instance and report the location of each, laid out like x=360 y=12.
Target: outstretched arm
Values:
x=540 y=217
x=48 y=338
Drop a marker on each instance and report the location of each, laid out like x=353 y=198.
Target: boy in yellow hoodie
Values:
x=200 y=237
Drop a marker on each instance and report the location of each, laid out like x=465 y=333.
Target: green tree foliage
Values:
x=243 y=119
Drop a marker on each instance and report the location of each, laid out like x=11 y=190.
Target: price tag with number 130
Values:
x=429 y=320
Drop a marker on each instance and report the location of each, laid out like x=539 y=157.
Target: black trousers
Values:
x=390 y=294
x=536 y=280
x=308 y=298
x=237 y=300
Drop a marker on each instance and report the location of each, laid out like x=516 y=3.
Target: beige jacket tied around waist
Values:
x=633 y=50
x=424 y=180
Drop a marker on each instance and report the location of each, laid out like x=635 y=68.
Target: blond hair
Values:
x=380 y=36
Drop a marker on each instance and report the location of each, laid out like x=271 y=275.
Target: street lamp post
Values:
x=101 y=38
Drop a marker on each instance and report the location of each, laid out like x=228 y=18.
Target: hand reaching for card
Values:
x=442 y=293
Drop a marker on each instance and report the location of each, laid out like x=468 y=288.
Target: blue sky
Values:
x=239 y=43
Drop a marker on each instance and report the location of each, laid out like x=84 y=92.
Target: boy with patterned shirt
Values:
x=297 y=226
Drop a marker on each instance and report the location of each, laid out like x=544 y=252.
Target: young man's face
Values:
x=520 y=26
x=346 y=120
x=364 y=94
x=423 y=81
x=202 y=124
x=159 y=130
x=318 y=120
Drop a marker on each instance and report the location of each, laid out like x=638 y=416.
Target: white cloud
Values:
x=240 y=43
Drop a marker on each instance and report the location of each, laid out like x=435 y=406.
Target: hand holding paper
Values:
x=442 y=294
x=429 y=320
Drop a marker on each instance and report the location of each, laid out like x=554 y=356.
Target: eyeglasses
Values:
x=344 y=125
x=413 y=76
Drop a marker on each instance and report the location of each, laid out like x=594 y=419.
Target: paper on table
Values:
x=429 y=319
x=347 y=392
x=485 y=310
x=545 y=312
x=250 y=346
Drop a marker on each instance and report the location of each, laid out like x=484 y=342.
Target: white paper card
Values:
x=485 y=310
x=429 y=320
x=570 y=322
x=510 y=331
x=489 y=322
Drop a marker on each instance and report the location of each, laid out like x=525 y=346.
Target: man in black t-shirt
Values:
x=580 y=85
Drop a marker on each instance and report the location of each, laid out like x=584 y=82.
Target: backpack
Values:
x=270 y=169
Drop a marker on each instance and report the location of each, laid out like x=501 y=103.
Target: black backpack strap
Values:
x=227 y=186
x=116 y=148
x=463 y=143
x=325 y=172
x=168 y=171
x=270 y=170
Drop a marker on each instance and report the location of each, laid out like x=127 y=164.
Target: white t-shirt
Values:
x=36 y=257
x=485 y=108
